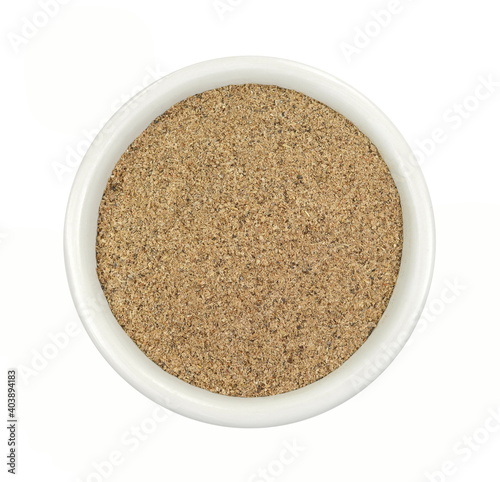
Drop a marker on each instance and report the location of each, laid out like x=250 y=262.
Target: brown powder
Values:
x=249 y=240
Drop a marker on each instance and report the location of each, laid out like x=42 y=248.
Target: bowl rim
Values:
x=366 y=364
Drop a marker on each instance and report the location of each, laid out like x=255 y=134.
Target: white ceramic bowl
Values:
x=127 y=359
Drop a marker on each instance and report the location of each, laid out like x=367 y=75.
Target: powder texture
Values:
x=249 y=240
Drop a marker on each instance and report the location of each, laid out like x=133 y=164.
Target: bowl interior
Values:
x=366 y=363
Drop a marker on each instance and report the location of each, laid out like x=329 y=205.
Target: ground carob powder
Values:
x=249 y=240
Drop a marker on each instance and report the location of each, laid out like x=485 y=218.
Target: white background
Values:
x=423 y=67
